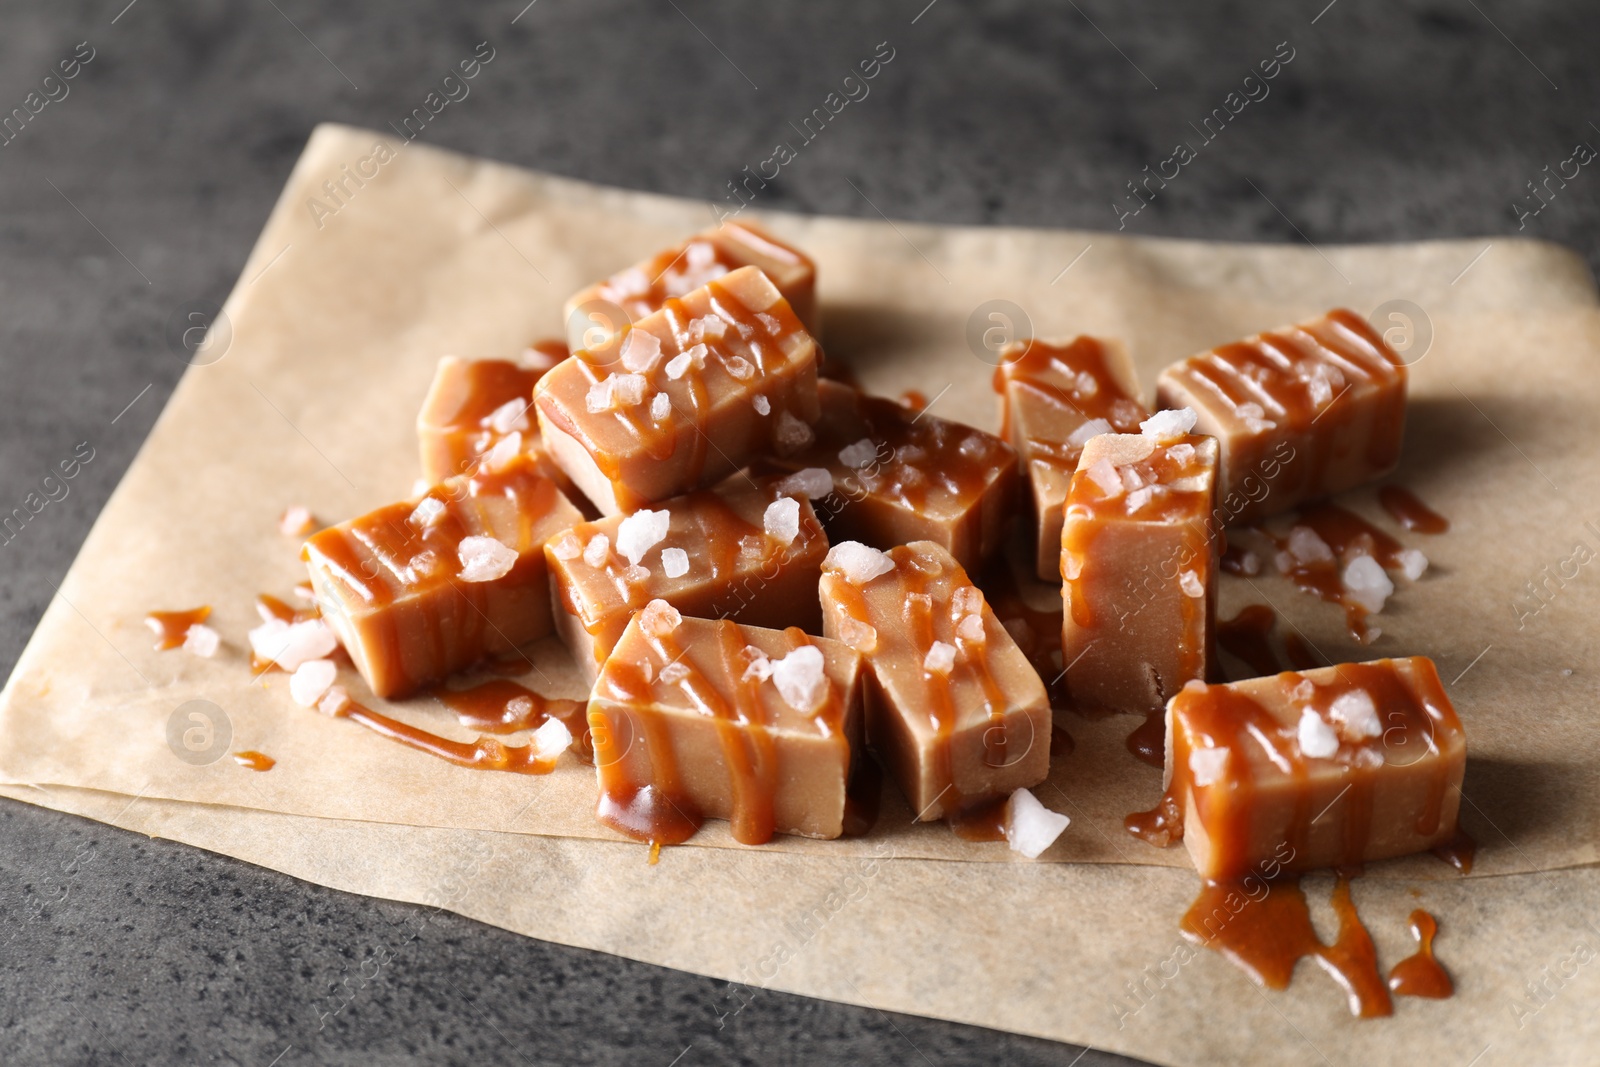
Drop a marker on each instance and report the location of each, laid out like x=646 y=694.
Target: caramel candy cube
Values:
x=1053 y=398
x=700 y=718
x=954 y=710
x=473 y=405
x=420 y=589
x=744 y=551
x=1139 y=566
x=673 y=273
x=685 y=397
x=1332 y=767
x=1302 y=412
x=901 y=476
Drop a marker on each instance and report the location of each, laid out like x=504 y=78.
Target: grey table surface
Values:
x=139 y=192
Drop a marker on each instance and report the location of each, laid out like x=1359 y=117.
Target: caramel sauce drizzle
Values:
x=483 y=753
x=1348 y=535
x=1420 y=975
x=1148 y=740
x=171 y=627
x=489 y=384
x=256 y=761
x=501 y=706
x=1051 y=374
x=1405 y=508
x=676 y=271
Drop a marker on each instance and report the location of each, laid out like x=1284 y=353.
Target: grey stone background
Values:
x=141 y=191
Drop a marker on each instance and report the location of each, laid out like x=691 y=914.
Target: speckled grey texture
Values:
x=138 y=195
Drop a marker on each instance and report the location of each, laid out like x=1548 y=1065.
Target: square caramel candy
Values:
x=1053 y=398
x=1302 y=412
x=954 y=710
x=474 y=405
x=421 y=589
x=1331 y=767
x=672 y=273
x=701 y=718
x=745 y=551
x=1139 y=566
x=683 y=398
x=900 y=476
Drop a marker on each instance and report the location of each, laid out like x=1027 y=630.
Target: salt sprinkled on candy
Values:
x=596 y=551
x=660 y=407
x=1412 y=564
x=759 y=666
x=1356 y=714
x=627 y=389
x=640 y=350
x=551 y=739
x=970 y=629
x=599 y=397
x=1317 y=739
x=658 y=619
x=334 y=701
x=1254 y=417
x=674 y=562
x=289 y=645
x=642 y=531
x=1307 y=547
x=1249 y=563
x=1085 y=385
x=1030 y=826
x=800 y=678
x=483 y=559
x=1366 y=584
x=567 y=546
x=1140 y=497
x=678 y=365
x=814 y=482
x=861 y=636
x=858 y=563
x=712 y=327
x=1191 y=585
x=673 y=673
x=773 y=326
x=1165 y=425
x=941 y=658
x=311 y=680
x=859 y=454
x=1208 y=765
x=296 y=521
x=512 y=415
x=634 y=574
x=504 y=451
x=631 y=282
x=1103 y=474
x=429 y=510
x=781 y=520
x=967 y=600
x=790 y=434
x=1092 y=428
x=201 y=640
x=741 y=369
x=762 y=405
x=1181 y=454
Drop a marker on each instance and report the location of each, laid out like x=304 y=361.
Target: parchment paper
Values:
x=336 y=325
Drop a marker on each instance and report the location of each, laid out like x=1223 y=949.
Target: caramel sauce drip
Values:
x=489 y=384
x=1404 y=507
x=1148 y=741
x=1075 y=380
x=483 y=754
x=1348 y=535
x=981 y=820
x=1267 y=934
x=501 y=706
x=674 y=272
x=256 y=761
x=1246 y=636
x=1161 y=826
x=1420 y=975
x=171 y=627
x=1458 y=852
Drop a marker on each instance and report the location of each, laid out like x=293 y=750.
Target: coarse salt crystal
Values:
x=551 y=739
x=631 y=282
x=1317 y=739
x=311 y=680
x=483 y=559
x=1412 y=564
x=781 y=520
x=201 y=640
x=1191 y=585
x=790 y=434
x=658 y=619
x=813 y=482
x=640 y=350
x=634 y=574
x=503 y=452
x=772 y=325
x=599 y=396
x=858 y=563
x=1182 y=454
x=800 y=678
x=334 y=701
x=296 y=521
x=1030 y=826
x=1366 y=584
x=861 y=636
x=941 y=658
x=858 y=454
x=967 y=600
x=1092 y=428
x=673 y=673
x=1085 y=385
x=1249 y=563
x=970 y=629
x=678 y=365
x=1307 y=547
x=567 y=546
x=597 y=550
x=1165 y=425
x=628 y=389
x=512 y=415
x=1356 y=714
x=1140 y=497
x=642 y=531
x=758 y=665
x=674 y=562
x=740 y=369
x=1208 y=765
x=762 y=405
x=1283 y=561
x=291 y=644
x=1103 y=474
x=429 y=510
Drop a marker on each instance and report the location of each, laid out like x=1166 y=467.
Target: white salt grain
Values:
x=1412 y=564
x=1208 y=765
x=1356 y=714
x=800 y=678
x=1191 y=585
x=1165 y=425
x=1030 y=826
x=640 y=350
x=627 y=389
x=782 y=520
x=1103 y=474
x=201 y=640
x=1366 y=584
x=483 y=559
x=1307 y=547
x=860 y=454
x=291 y=644
x=858 y=563
x=1092 y=428
x=503 y=452
x=660 y=407
x=673 y=673
x=1317 y=739
x=658 y=619
x=861 y=636
x=599 y=398
x=941 y=658
x=512 y=415
x=429 y=510
x=334 y=701
x=970 y=629
x=597 y=550
x=762 y=405
x=674 y=562
x=551 y=739
x=740 y=369
x=640 y=532
x=814 y=482
x=311 y=680
x=567 y=546
x=790 y=435
x=296 y=521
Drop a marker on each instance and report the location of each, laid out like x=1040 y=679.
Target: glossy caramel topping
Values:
x=1458 y=852
x=1420 y=975
x=171 y=627
x=673 y=272
x=1070 y=384
x=1167 y=481
x=1148 y=741
x=256 y=761
x=1405 y=508
x=501 y=706
x=483 y=387
x=1348 y=535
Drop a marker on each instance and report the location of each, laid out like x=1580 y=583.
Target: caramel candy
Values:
x=672 y=273
x=1139 y=566
x=474 y=405
x=700 y=718
x=954 y=711
x=685 y=397
x=420 y=589
x=1331 y=767
x=1053 y=398
x=1301 y=412
x=744 y=551
x=900 y=476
